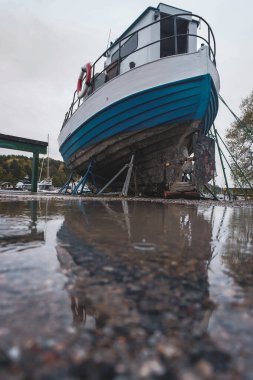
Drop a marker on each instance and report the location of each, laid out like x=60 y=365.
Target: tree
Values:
x=240 y=142
x=14 y=168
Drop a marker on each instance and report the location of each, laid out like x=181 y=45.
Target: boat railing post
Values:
x=209 y=43
x=175 y=34
x=119 y=58
x=93 y=78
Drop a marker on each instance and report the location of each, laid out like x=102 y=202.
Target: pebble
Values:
x=108 y=269
x=205 y=369
x=14 y=353
x=151 y=367
x=169 y=350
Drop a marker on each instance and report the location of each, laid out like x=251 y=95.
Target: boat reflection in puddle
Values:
x=139 y=271
x=152 y=282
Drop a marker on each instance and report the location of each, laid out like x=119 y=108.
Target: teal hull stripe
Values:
x=134 y=106
x=211 y=110
x=182 y=101
x=141 y=121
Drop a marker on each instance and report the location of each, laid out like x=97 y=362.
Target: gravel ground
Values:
x=32 y=196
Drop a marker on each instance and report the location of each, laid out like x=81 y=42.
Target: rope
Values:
x=234 y=160
x=240 y=122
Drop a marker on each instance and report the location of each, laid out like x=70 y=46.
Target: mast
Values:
x=48 y=155
x=41 y=168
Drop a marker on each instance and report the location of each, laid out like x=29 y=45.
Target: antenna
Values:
x=109 y=36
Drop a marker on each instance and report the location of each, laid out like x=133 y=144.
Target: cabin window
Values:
x=169 y=45
x=127 y=48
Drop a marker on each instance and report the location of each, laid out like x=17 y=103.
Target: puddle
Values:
x=125 y=290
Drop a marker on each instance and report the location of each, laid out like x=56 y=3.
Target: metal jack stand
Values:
x=77 y=188
x=125 y=188
x=65 y=187
x=83 y=180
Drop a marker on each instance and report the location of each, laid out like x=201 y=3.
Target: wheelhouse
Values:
x=157 y=33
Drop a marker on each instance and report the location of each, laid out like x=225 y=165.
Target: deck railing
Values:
x=209 y=41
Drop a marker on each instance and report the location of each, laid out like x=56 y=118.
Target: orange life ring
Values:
x=82 y=88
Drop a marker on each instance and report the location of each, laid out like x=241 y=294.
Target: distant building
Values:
x=5 y=185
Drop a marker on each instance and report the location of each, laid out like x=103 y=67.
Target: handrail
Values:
x=118 y=42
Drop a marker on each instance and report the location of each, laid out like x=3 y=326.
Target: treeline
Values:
x=14 y=168
x=239 y=138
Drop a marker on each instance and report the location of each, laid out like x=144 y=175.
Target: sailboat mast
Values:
x=48 y=156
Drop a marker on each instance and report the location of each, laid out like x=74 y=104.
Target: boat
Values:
x=24 y=184
x=46 y=184
x=152 y=95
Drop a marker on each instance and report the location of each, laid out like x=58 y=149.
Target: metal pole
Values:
x=82 y=181
x=240 y=185
x=246 y=180
x=35 y=165
x=66 y=185
x=239 y=121
x=214 y=185
x=209 y=47
x=119 y=58
x=175 y=34
x=211 y=192
x=93 y=77
x=221 y=160
x=48 y=156
x=116 y=175
x=41 y=168
x=128 y=177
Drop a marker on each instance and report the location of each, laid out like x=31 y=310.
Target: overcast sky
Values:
x=43 y=44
